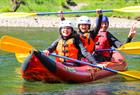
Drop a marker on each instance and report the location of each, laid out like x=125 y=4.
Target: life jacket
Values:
x=87 y=41
x=66 y=48
x=102 y=42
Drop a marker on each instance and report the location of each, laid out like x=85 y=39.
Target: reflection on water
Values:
x=135 y=56
x=114 y=85
x=89 y=90
x=11 y=81
x=116 y=88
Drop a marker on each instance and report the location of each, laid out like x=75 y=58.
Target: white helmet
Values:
x=66 y=23
x=83 y=20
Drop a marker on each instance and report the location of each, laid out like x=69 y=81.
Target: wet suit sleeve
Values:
x=128 y=40
x=86 y=54
x=114 y=42
x=52 y=47
x=95 y=31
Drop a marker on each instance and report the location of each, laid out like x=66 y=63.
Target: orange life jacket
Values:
x=87 y=41
x=102 y=43
x=66 y=48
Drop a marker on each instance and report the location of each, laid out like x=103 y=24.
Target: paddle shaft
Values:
x=93 y=65
x=131 y=9
x=105 y=50
x=125 y=9
x=72 y=12
x=82 y=62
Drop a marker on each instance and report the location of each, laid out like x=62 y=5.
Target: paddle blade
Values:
x=17 y=14
x=128 y=9
x=130 y=48
x=131 y=74
x=14 y=45
x=21 y=57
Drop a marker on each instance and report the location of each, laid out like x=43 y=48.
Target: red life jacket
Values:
x=88 y=42
x=66 y=48
x=102 y=43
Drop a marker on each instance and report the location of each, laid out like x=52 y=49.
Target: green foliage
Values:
x=56 y=5
x=5 y=9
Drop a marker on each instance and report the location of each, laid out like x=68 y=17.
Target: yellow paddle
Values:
x=16 y=14
x=21 y=57
x=11 y=44
x=132 y=9
x=131 y=72
x=14 y=45
x=22 y=47
x=129 y=48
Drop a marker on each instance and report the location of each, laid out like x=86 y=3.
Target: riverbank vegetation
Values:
x=73 y=5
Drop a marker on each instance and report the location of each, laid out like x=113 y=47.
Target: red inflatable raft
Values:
x=39 y=67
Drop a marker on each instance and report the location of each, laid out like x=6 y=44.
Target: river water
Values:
x=11 y=82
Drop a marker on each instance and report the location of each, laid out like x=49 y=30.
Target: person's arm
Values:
x=131 y=34
x=52 y=47
x=95 y=31
x=128 y=40
x=114 y=42
x=61 y=16
x=86 y=54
